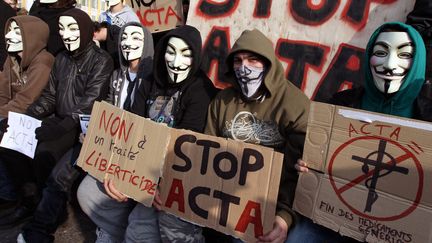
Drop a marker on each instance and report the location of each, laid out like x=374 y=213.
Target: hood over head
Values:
x=401 y=102
x=146 y=60
x=33 y=41
x=85 y=24
x=192 y=37
x=256 y=42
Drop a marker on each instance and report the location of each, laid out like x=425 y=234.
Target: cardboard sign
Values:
x=320 y=43
x=206 y=180
x=372 y=175
x=20 y=135
x=127 y=148
x=158 y=15
x=223 y=184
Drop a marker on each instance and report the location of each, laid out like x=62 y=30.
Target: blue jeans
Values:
x=52 y=207
x=306 y=230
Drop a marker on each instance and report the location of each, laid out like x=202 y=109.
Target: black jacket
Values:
x=421 y=19
x=423 y=104
x=75 y=82
x=189 y=98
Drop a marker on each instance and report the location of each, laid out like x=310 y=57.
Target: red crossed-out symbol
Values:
x=370 y=173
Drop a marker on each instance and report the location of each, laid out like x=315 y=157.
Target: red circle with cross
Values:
x=408 y=155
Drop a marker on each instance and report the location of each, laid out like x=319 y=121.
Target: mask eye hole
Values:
x=380 y=53
x=405 y=55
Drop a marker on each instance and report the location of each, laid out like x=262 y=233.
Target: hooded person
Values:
x=49 y=11
x=394 y=67
x=264 y=108
x=135 y=48
x=394 y=75
x=25 y=74
x=27 y=66
x=118 y=14
x=6 y=12
x=136 y=52
x=50 y=211
x=178 y=79
x=178 y=97
x=78 y=77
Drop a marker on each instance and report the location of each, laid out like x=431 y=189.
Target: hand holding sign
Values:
x=3 y=125
x=21 y=134
x=278 y=233
x=112 y=191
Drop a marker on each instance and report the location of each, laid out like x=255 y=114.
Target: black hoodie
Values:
x=181 y=105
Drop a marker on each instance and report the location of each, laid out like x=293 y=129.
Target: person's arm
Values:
x=96 y=87
x=112 y=89
x=195 y=108
x=211 y=127
x=45 y=104
x=5 y=88
x=37 y=78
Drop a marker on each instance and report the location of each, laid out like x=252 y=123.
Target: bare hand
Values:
x=278 y=234
x=301 y=166
x=81 y=137
x=112 y=191
x=157 y=202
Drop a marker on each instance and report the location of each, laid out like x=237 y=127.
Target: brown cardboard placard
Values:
x=127 y=148
x=223 y=184
x=158 y=15
x=371 y=176
x=227 y=185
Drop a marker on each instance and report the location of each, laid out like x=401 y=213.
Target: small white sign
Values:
x=84 y=122
x=20 y=135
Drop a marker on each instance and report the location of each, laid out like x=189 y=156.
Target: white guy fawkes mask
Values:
x=13 y=38
x=132 y=42
x=48 y=1
x=391 y=60
x=111 y=3
x=178 y=58
x=69 y=32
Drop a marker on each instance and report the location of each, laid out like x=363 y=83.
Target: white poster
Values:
x=20 y=135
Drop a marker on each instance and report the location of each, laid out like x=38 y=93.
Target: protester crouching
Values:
x=262 y=97
x=394 y=67
x=24 y=76
x=79 y=77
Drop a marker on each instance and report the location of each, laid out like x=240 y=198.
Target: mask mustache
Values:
x=177 y=68
x=12 y=41
x=129 y=47
x=70 y=39
x=243 y=74
x=390 y=73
